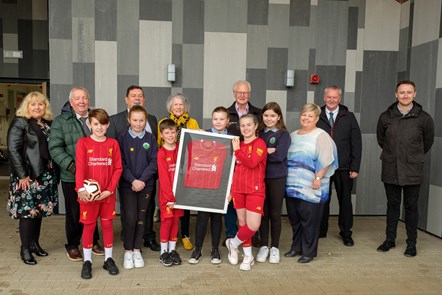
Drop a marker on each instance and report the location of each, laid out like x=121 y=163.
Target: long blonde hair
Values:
x=23 y=109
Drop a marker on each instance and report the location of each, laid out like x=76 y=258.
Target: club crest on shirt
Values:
x=259 y=208
x=259 y=151
x=249 y=150
x=272 y=140
x=84 y=214
x=146 y=146
x=90 y=151
x=110 y=152
x=215 y=159
x=168 y=159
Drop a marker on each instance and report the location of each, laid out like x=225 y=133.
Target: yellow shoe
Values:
x=187 y=243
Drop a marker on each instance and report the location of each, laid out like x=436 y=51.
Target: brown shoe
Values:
x=74 y=254
x=98 y=250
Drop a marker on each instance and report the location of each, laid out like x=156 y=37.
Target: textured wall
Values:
x=365 y=46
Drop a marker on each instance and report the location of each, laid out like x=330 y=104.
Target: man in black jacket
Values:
x=343 y=127
x=405 y=132
x=118 y=125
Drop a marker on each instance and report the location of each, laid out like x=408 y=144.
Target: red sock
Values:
x=245 y=234
x=108 y=232
x=165 y=228
x=88 y=235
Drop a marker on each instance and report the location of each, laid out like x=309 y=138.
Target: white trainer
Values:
x=233 y=253
x=274 y=255
x=128 y=260
x=262 y=254
x=138 y=259
x=247 y=263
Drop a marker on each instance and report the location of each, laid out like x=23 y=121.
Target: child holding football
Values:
x=139 y=156
x=248 y=189
x=98 y=161
x=166 y=161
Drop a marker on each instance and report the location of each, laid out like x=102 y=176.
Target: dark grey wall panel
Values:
x=193 y=22
x=23 y=11
x=83 y=8
x=25 y=44
x=436 y=163
x=157 y=97
x=277 y=59
x=195 y=97
x=300 y=13
x=124 y=81
x=438 y=114
x=60 y=19
x=1 y=34
x=40 y=34
x=297 y=95
x=106 y=20
x=378 y=82
x=177 y=60
x=40 y=64
x=403 y=49
x=156 y=10
x=84 y=76
x=257 y=12
x=257 y=78
x=352 y=35
x=59 y=96
x=358 y=92
x=8 y=15
x=424 y=193
x=330 y=75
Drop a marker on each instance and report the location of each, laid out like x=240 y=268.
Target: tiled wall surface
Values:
x=364 y=46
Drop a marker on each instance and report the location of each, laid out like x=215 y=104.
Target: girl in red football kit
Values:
x=248 y=189
x=98 y=157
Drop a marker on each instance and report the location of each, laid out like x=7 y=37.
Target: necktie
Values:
x=330 y=119
x=85 y=128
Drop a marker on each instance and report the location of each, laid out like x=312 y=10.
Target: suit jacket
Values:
x=119 y=125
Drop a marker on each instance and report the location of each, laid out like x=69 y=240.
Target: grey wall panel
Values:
x=9 y=70
x=371 y=194
x=403 y=49
x=124 y=81
x=40 y=34
x=311 y=67
x=300 y=13
x=257 y=12
x=352 y=35
x=225 y=16
x=193 y=66
x=157 y=97
x=106 y=20
x=330 y=75
x=83 y=39
x=177 y=25
x=423 y=73
x=257 y=40
x=60 y=19
x=292 y=121
x=438 y=115
x=348 y=99
x=299 y=48
x=40 y=64
x=84 y=76
x=378 y=82
x=128 y=48
x=206 y=124
x=156 y=10
x=277 y=66
x=424 y=193
x=278 y=25
x=23 y=9
x=358 y=92
x=60 y=71
x=83 y=8
x=1 y=35
x=257 y=79
x=360 y=4
x=436 y=163
x=8 y=15
x=25 y=44
x=193 y=22
x=177 y=60
x=195 y=97
x=332 y=33
x=59 y=96
x=297 y=95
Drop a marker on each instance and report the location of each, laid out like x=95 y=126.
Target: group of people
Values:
x=132 y=150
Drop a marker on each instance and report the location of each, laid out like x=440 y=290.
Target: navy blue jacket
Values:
x=276 y=166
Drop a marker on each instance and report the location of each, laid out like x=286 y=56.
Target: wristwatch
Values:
x=318 y=178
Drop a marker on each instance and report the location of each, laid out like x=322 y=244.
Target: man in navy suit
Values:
x=119 y=125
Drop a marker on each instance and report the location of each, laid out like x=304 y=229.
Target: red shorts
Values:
x=89 y=212
x=253 y=203
x=167 y=212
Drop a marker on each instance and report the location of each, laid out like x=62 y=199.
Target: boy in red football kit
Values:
x=248 y=189
x=98 y=158
x=166 y=161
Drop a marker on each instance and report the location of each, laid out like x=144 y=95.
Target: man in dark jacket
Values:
x=405 y=132
x=118 y=126
x=343 y=127
x=66 y=130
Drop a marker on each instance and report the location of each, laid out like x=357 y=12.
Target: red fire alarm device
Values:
x=314 y=79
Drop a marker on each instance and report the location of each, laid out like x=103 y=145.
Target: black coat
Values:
x=119 y=125
x=404 y=141
x=347 y=137
x=23 y=149
x=233 y=127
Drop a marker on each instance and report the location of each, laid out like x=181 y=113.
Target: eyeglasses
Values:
x=242 y=92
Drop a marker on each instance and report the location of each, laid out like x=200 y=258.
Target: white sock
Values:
x=136 y=250
x=236 y=242
x=247 y=251
x=87 y=254
x=107 y=253
x=163 y=247
x=172 y=245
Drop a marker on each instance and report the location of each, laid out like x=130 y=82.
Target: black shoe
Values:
x=216 y=257
x=348 y=242
x=410 y=251
x=37 y=249
x=386 y=245
x=165 y=259
x=86 y=270
x=305 y=259
x=110 y=266
x=322 y=235
x=152 y=244
x=175 y=257
x=291 y=253
x=256 y=242
x=196 y=256
x=27 y=257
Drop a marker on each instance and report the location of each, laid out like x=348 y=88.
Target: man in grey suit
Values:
x=119 y=125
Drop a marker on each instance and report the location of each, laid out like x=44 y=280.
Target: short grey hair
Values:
x=333 y=87
x=244 y=82
x=78 y=88
x=182 y=98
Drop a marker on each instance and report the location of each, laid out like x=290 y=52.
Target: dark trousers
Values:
x=230 y=220
x=201 y=227
x=275 y=192
x=185 y=224
x=411 y=197
x=135 y=207
x=29 y=229
x=343 y=185
x=74 y=229
x=305 y=219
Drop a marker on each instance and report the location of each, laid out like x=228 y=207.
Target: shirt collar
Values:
x=273 y=129
x=404 y=112
x=216 y=131
x=239 y=111
x=333 y=112
x=141 y=135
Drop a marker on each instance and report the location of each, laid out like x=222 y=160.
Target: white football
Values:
x=92 y=187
